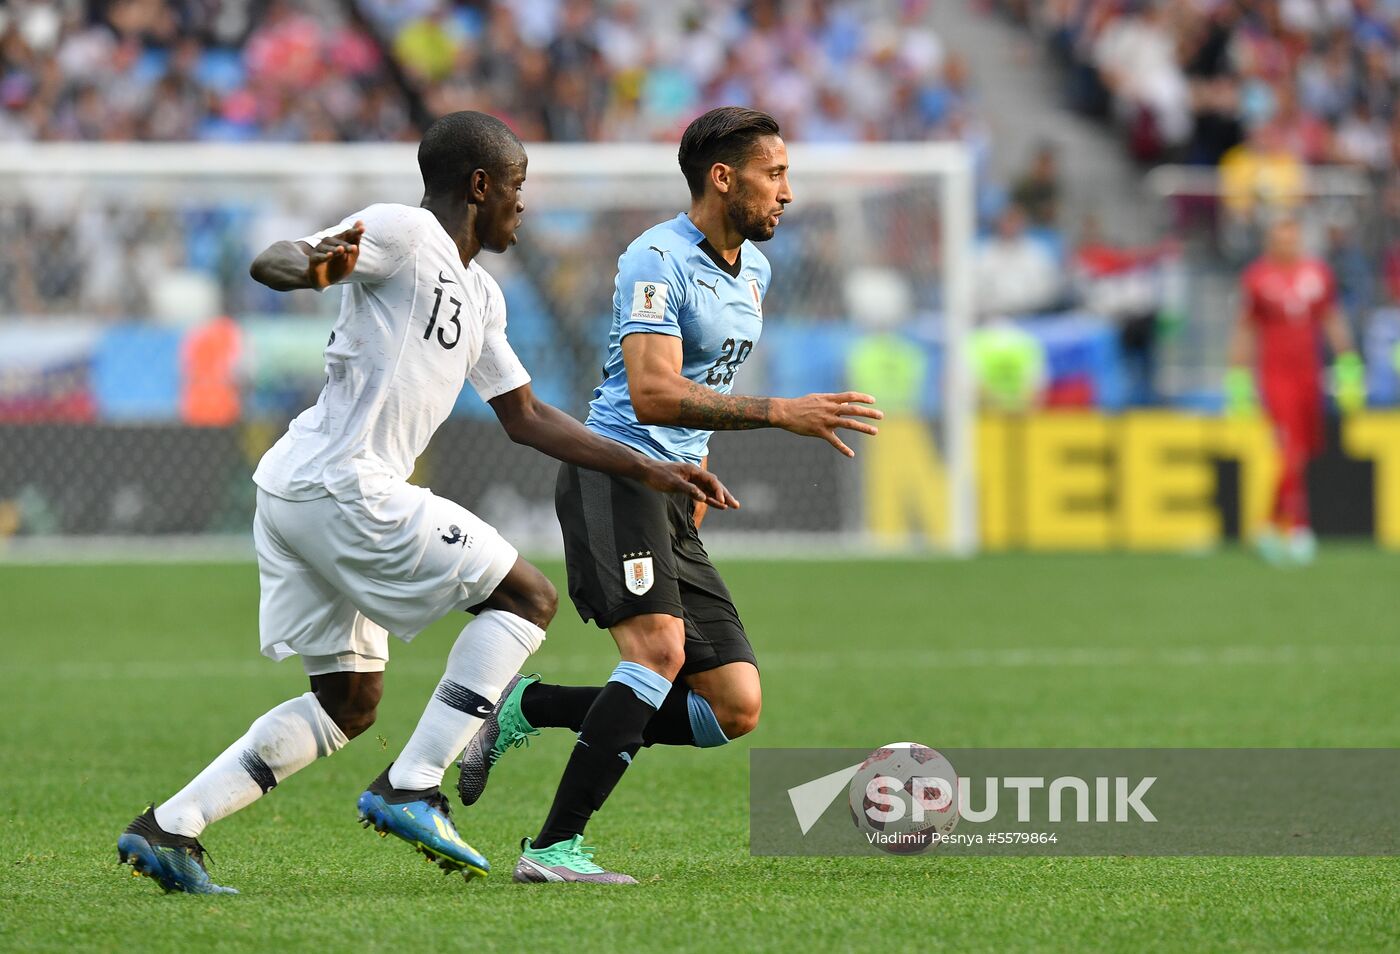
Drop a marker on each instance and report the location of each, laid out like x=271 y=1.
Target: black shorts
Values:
x=632 y=550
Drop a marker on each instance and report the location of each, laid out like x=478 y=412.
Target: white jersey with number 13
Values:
x=414 y=324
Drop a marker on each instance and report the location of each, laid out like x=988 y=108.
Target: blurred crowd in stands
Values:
x=1192 y=80
x=1267 y=92
x=562 y=70
x=1261 y=88
x=355 y=70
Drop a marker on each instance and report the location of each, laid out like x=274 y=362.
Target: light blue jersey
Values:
x=671 y=282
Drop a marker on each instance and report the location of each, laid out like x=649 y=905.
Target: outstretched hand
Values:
x=819 y=415
x=334 y=256
x=695 y=482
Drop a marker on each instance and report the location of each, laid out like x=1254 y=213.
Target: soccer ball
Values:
x=904 y=798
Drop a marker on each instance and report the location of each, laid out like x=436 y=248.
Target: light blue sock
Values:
x=650 y=687
x=703 y=724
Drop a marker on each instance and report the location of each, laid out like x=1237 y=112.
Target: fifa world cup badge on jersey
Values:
x=757 y=298
x=637 y=573
x=649 y=301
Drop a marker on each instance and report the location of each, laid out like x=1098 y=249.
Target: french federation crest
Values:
x=637 y=573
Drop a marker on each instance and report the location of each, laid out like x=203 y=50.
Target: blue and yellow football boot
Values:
x=175 y=862
x=422 y=819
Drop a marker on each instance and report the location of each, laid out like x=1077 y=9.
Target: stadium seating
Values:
x=314 y=70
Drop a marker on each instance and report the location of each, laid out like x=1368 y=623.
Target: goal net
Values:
x=143 y=373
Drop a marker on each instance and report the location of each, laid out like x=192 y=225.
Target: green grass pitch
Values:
x=120 y=682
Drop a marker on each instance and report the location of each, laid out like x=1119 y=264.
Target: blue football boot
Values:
x=175 y=862
x=422 y=819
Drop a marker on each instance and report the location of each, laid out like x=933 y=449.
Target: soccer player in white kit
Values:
x=349 y=552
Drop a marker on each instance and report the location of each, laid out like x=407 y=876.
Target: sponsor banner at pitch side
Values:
x=908 y=799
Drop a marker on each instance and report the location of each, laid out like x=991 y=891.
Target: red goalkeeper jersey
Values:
x=1287 y=305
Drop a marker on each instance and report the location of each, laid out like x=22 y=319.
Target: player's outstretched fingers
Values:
x=716 y=494
x=731 y=502
x=854 y=403
x=679 y=479
x=860 y=410
x=328 y=249
x=332 y=257
x=861 y=426
x=835 y=442
x=710 y=491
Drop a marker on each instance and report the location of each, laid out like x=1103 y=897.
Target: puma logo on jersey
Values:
x=714 y=288
x=444 y=280
x=658 y=251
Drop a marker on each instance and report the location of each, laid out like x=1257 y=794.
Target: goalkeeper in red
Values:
x=1288 y=306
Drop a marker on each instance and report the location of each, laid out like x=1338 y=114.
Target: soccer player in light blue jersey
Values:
x=687 y=313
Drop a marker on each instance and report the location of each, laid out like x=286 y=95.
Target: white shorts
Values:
x=338 y=576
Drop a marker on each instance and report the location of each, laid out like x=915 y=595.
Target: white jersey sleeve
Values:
x=387 y=244
x=498 y=370
x=416 y=324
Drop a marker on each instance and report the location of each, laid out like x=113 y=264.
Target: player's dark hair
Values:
x=460 y=143
x=728 y=135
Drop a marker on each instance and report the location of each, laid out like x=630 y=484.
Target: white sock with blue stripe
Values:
x=283 y=741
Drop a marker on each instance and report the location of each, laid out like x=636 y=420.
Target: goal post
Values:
x=120 y=248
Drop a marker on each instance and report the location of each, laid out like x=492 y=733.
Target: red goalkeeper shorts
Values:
x=1296 y=413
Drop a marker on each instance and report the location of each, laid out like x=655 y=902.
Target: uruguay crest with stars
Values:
x=637 y=572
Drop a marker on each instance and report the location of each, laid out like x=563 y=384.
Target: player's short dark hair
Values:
x=728 y=135
x=460 y=143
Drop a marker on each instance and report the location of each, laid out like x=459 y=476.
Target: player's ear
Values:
x=721 y=177
x=477 y=185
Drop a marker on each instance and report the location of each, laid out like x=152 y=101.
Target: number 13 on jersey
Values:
x=433 y=319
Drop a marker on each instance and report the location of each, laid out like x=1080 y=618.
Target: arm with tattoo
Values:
x=662 y=395
x=701 y=407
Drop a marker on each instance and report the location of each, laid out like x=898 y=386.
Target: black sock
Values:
x=610 y=737
x=671 y=724
x=547 y=706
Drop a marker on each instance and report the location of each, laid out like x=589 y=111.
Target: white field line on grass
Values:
x=932 y=659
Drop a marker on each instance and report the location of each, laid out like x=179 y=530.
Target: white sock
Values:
x=490 y=650
x=281 y=742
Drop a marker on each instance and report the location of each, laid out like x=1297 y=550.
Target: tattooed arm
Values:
x=699 y=406
x=662 y=395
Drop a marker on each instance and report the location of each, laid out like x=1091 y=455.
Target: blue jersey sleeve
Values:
x=650 y=293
